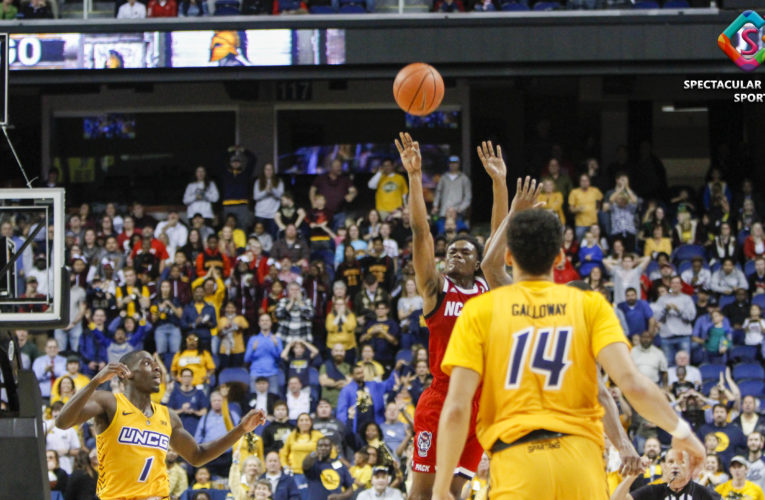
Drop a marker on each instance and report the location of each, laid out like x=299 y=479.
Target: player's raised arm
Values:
x=493 y=263
x=495 y=166
x=197 y=455
x=88 y=402
x=427 y=278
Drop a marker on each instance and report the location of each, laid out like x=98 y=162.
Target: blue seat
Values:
x=715 y=267
x=759 y=300
x=646 y=4
x=707 y=386
x=742 y=235
x=227 y=8
x=228 y=375
x=711 y=371
x=289 y=5
x=749 y=268
x=546 y=6
x=752 y=387
x=676 y=4
x=743 y=353
x=313 y=383
x=352 y=9
x=322 y=9
x=684 y=266
x=725 y=300
x=406 y=355
x=753 y=371
x=652 y=266
x=683 y=252
x=514 y=6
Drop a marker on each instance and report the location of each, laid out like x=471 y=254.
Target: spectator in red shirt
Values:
x=157 y=247
x=564 y=271
x=162 y=8
x=754 y=244
x=212 y=257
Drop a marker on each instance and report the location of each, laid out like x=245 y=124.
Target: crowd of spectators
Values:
x=256 y=297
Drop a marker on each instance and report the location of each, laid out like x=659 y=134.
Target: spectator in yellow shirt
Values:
x=361 y=472
x=390 y=189
x=553 y=200
x=300 y=443
x=738 y=486
x=584 y=203
x=232 y=327
x=199 y=361
x=77 y=380
x=657 y=243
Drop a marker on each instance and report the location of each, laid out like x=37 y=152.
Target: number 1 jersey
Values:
x=535 y=345
x=131 y=453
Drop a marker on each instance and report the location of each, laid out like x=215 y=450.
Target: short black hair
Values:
x=470 y=239
x=630 y=289
x=261 y=379
x=535 y=237
x=131 y=357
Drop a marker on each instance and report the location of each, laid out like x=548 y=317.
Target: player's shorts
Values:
x=426 y=418
x=569 y=467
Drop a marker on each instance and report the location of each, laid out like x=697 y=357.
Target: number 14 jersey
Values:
x=535 y=346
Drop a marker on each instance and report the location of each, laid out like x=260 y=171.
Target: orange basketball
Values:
x=418 y=89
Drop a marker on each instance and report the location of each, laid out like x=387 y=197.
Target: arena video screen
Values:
x=176 y=49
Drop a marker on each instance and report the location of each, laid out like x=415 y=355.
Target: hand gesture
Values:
x=631 y=462
x=110 y=371
x=492 y=163
x=410 y=153
x=695 y=450
x=526 y=193
x=253 y=419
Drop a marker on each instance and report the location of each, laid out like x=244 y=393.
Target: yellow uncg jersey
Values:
x=750 y=491
x=534 y=344
x=131 y=453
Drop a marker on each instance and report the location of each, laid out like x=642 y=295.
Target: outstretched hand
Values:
x=253 y=419
x=492 y=162
x=526 y=194
x=409 y=150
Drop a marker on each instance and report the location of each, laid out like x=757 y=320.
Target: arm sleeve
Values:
x=466 y=345
x=212 y=192
x=375 y=180
x=189 y=196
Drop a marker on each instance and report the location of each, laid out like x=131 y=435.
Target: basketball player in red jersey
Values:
x=443 y=298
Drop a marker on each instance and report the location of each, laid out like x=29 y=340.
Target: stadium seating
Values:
x=547 y=6
x=322 y=9
x=743 y=353
x=683 y=252
x=759 y=300
x=725 y=300
x=749 y=267
x=228 y=375
x=752 y=371
x=711 y=371
x=707 y=385
x=752 y=387
x=514 y=6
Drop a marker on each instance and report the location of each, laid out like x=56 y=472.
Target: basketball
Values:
x=418 y=89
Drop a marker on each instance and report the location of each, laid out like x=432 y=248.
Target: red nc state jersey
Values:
x=451 y=300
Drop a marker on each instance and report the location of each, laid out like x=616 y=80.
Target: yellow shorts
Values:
x=567 y=468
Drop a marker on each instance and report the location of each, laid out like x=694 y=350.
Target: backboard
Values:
x=32 y=223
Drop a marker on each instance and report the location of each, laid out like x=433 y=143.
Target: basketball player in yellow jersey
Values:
x=133 y=433
x=535 y=345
